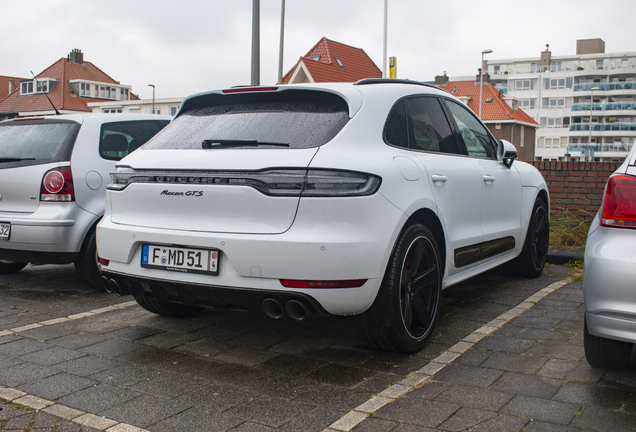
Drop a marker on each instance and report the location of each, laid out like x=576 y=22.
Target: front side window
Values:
x=475 y=135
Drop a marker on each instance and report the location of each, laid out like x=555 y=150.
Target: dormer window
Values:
x=40 y=85
x=26 y=87
x=339 y=62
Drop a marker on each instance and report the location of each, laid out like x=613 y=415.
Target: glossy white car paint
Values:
x=262 y=239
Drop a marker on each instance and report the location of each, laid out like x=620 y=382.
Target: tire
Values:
x=533 y=256
x=405 y=309
x=606 y=353
x=86 y=262
x=166 y=308
x=9 y=267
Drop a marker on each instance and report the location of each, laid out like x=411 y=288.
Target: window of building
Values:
x=557 y=83
x=158 y=111
x=316 y=58
x=339 y=62
x=522 y=136
x=85 y=89
x=535 y=67
x=26 y=87
x=173 y=110
x=555 y=66
x=523 y=85
x=527 y=103
x=42 y=86
x=102 y=91
x=112 y=111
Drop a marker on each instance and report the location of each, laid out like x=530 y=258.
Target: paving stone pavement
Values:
x=121 y=369
x=529 y=375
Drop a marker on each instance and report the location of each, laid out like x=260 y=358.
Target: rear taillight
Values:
x=349 y=283
x=283 y=182
x=57 y=185
x=619 y=202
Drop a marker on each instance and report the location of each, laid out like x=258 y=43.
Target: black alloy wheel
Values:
x=404 y=312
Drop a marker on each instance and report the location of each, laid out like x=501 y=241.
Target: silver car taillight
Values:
x=619 y=202
x=57 y=185
x=273 y=182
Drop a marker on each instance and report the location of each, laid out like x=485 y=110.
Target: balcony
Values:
x=603 y=127
x=606 y=86
x=612 y=106
x=605 y=148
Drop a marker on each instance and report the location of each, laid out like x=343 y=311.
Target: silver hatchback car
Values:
x=609 y=276
x=53 y=173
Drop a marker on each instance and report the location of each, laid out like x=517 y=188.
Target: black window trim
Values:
x=459 y=142
x=457 y=133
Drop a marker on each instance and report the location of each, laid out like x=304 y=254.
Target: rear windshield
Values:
x=285 y=119
x=29 y=142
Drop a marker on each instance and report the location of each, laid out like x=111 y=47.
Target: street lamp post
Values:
x=153 y=97
x=593 y=89
x=481 y=78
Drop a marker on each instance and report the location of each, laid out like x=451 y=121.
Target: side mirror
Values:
x=506 y=153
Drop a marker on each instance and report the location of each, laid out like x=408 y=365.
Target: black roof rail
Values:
x=367 y=81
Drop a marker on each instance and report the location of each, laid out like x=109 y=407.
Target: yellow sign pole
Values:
x=392 y=67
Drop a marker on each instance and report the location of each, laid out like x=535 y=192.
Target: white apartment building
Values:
x=584 y=103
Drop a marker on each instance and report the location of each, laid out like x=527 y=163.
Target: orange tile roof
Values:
x=356 y=63
x=4 y=85
x=61 y=94
x=497 y=109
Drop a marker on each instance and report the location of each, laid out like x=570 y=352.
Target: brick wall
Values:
x=576 y=186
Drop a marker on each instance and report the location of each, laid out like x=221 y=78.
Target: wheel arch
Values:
x=427 y=217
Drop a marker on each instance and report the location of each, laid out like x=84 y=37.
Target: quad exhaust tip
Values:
x=295 y=309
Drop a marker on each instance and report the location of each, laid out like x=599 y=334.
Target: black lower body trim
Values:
x=477 y=252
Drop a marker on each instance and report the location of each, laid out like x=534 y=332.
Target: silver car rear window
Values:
x=32 y=142
x=293 y=118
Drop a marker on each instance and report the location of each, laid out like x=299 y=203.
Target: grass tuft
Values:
x=567 y=229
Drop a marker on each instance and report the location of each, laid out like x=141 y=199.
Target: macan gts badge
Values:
x=363 y=199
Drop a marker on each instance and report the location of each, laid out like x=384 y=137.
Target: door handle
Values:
x=439 y=179
x=488 y=179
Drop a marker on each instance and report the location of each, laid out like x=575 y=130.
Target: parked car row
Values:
x=363 y=199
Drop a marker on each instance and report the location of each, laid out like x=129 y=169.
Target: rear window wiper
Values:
x=221 y=143
x=14 y=159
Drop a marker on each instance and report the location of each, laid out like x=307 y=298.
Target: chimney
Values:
x=546 y=58
x=441 y=80
x=486 y=79
x=77 y=56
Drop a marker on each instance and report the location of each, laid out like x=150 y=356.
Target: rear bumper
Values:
x=319 y=246
x=608 y=283
x=54 y=229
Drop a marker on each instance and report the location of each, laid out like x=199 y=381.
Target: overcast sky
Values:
x=190 y=46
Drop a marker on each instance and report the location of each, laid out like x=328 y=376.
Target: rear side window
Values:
x=35 y=142
x=119 y=139
x=285 y=119
x=419 y=123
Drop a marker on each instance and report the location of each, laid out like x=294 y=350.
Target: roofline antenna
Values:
x=47 y=96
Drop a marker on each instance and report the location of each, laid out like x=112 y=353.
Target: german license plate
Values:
x=180 y=259
x=5 y=230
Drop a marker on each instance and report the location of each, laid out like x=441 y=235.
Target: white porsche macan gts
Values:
x=363 y=199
